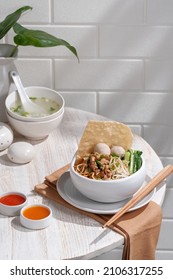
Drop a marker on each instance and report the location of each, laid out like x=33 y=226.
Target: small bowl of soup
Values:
x=50 y=100
x=35 y=127
x=11 y=203
x=36 y=216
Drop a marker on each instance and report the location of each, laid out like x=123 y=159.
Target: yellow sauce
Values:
x=36 y=212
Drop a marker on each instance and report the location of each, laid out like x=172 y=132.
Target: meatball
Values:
x=118 y=150
x=102 y=148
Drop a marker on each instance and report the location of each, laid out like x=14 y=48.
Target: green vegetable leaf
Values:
x=131 y=163
x=17 y=109
x=37 y=38
x=127 y=155
x=11 y=19
x=114 y=155
x=135 y=160
x=52 y=109
x=99 y=165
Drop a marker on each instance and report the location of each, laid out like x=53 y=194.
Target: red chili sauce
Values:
x=12 y=199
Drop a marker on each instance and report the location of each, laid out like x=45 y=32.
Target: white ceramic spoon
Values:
x=27 y=104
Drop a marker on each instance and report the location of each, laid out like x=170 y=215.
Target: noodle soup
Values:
x=106 y=168
x=107 y=190
x=109 y=166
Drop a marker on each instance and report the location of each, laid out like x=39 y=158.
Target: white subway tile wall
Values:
x=125 y=71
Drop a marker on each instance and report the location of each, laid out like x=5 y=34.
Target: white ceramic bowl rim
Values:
x=39 y=121
x=107 y=181
x=35 y=130
x=32 y=205
x=13 y=206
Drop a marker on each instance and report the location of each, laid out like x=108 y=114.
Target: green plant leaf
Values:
x=11 y=19
x=37 y=38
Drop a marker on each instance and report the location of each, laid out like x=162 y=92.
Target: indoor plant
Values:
x=22 y=37
x=28 y=37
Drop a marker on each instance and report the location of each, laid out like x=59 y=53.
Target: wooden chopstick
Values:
x=142 y=193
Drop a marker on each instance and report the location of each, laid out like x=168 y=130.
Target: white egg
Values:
x=6 y=136
x=118 y=150
x=102 y=148
x=21 y=152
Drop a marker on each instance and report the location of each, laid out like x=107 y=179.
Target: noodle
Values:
x=103 y=167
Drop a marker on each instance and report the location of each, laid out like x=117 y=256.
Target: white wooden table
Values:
x=70 y=235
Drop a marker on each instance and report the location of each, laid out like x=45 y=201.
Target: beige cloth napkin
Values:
x=140 y=228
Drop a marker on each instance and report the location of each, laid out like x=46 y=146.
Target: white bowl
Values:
x=33 y=223
x=35 y=130
x=108 y=191
x=14 y=210
x=35 y=92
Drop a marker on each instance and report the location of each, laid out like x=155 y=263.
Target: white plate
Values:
x=70 y=194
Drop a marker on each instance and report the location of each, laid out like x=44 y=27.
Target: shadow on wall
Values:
x=120 y=63
x=151 y=110
x=138 y=107
x=125 y=51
